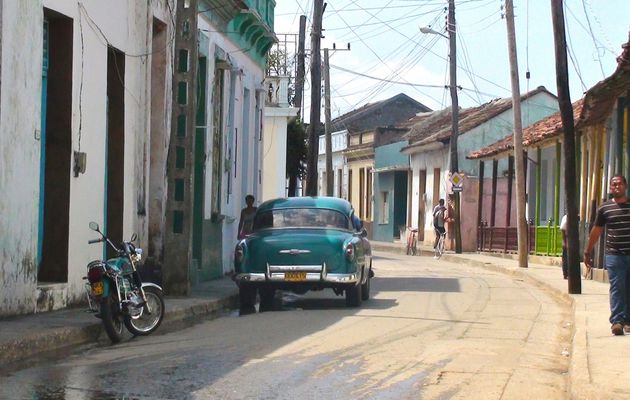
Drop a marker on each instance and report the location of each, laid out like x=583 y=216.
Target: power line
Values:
x=590 y=30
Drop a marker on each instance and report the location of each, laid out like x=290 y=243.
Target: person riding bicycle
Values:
x=438 y=221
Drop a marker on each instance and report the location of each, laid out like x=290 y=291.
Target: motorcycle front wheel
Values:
x=112 y=319
x=145 y=323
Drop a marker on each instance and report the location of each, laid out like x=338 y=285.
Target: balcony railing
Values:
x=277 y=91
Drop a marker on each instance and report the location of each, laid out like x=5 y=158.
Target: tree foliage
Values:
x=296 y=154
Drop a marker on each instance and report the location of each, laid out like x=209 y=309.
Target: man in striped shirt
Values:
x=615 y=216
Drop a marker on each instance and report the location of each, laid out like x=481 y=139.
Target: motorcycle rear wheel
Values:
x=145 y=323
x=112 y=319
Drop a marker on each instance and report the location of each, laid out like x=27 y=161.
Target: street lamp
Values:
x=454 y=112
x=428 y=29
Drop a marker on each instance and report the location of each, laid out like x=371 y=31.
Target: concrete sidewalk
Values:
x=598 y=368
x=27 y=336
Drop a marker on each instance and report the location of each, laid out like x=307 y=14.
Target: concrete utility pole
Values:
x=316 y=99
x=330 y=175
x=299 y=80
x=179 y=201
x=519 y=159
x=570 y=173
x=452 y=34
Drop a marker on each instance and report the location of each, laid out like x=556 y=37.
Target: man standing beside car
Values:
x=615 y=216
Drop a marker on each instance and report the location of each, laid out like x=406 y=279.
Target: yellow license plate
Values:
x=97 y=288
x=295 y=276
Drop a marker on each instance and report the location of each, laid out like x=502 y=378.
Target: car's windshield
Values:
x=301 y=218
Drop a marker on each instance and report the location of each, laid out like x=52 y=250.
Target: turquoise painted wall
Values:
x=395 y=184
x=532 y=110
x=390 y=155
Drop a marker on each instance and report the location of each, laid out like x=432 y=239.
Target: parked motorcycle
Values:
x=118 y=295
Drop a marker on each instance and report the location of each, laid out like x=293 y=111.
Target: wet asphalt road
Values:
x=432 y=329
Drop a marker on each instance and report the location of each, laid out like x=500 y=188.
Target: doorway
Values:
x=115 y=148
x=56 y=148
x=422 y=202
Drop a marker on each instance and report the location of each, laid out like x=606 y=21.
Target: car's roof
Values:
x=334 y=203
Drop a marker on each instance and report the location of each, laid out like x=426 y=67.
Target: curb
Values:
x=88 y=331
x=53 y=339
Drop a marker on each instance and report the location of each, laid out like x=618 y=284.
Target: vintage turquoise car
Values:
x=300 y=244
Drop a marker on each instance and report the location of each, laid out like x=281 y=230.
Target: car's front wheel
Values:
x=365 y=288
x=353 y=295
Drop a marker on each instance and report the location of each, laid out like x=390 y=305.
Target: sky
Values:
x=389 y=54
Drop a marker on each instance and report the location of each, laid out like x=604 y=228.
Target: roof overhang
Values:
x=421 y=148
x=391 y=168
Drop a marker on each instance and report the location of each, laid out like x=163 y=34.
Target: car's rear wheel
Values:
x=247 y=299
x=353 y=295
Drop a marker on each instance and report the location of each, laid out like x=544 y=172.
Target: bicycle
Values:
x=439 y=248
x=412 y=241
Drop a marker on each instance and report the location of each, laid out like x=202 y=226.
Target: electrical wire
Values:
x=590 y=30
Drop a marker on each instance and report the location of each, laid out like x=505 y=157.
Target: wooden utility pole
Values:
x=570 y=174
x=330 y=175
x=521 y=222
x=299 y=79
x=316 y=99
x=179 y=200
x=452 y=34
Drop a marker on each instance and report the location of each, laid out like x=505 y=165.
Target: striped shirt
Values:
x=616 y=218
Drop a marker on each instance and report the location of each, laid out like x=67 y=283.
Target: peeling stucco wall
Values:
x=19 y=153
x=247 y=74
x=125 y=25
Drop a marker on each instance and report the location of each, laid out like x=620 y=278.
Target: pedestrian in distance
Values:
x=614 y=215
x=449 y=218
x=439 y=217
x=246 y=221
x=563 y=231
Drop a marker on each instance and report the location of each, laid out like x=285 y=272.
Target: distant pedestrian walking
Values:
x=615 y=216
x=246 y=222
x=449 y=218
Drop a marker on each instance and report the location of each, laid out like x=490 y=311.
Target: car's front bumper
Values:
x=306 y=273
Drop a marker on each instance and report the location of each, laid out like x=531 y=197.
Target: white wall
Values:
x=126 y=26
x=338 y=144
x=19 y=153
x=427 y=161
x=274 y=152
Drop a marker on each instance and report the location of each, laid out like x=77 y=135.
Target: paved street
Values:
x=433 y=329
